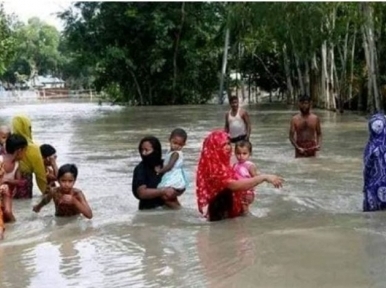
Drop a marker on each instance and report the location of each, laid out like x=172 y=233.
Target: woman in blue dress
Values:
x=374 y=159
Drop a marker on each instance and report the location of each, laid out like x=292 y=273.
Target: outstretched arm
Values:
x=246 y=184
x=45 y=200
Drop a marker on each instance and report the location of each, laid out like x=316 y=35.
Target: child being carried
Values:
x=244 y=168
x=173 y=170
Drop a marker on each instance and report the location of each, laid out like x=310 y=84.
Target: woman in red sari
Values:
x=219 y=194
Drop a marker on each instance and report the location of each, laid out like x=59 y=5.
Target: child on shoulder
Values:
x=244 y=168
x=68 y=200
x=173 y=172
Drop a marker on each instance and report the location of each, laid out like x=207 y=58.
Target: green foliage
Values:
x=133 y=46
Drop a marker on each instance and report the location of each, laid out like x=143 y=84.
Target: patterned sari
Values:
x=374 y=174
x=213 y=175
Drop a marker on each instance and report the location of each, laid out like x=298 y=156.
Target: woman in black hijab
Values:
x=145 y=177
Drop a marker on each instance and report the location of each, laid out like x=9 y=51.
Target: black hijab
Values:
x=154 y=158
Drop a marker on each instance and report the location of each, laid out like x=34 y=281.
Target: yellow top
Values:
x=33 y=160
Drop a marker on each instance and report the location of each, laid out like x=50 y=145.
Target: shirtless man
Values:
x=237 y=122
x=305 y=133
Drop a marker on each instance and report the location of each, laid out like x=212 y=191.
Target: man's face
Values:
x=304 y=107
x=235 y=104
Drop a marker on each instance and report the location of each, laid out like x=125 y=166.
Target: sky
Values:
x=43 y=9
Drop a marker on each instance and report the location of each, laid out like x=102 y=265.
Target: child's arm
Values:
x=170 y=165
x=45 y=200
x=253 y=171
x=81 y=203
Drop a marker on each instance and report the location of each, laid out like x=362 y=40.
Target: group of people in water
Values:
x=20 y=158
x=223 y=190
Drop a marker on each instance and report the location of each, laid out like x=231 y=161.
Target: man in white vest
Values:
x=237 y=122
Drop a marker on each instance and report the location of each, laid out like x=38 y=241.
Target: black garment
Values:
x=239 y=138
x=144 y=176
x=220 y=206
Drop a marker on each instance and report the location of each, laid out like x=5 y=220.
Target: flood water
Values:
x=311 y=233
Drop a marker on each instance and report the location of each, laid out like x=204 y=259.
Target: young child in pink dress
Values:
x=244 y=168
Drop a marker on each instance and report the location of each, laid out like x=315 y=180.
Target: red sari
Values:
x=213 y=175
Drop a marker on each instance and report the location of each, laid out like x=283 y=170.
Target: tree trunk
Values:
x=307 y=79
x=178 y=38
x=324 y=77
x=350 y=85
x=370 y=97
x=290 y=89
x=224 y=66
x=369 y=33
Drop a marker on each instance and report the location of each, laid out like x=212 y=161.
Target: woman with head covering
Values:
x=32 y=162
x=146 y=178
x=374 y=159
x=219 y=193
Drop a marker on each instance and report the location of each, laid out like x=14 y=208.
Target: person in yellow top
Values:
x=32 y=162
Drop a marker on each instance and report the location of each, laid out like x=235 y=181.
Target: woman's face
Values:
x=146 y=148
x=227 y=147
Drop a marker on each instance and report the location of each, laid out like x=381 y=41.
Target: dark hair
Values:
x=47 y=150
x=233 y=98
x=15 y=142
x=68 y=168
x=179 y=132
x=304 y=98
x=244 y=143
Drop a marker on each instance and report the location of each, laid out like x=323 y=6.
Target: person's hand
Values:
x=317 y=147
x=157 y=169
x=52 y=159
x=275 y=180
x=301 y=150
x=67 y=199
x=36 y=208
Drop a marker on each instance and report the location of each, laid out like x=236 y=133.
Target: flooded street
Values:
x=311 y=233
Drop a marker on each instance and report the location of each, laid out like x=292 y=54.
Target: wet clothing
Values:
x=237 y=125
x=374 y=160
x=24 y=191
x=239 y=138
x=305 y=145
x=242 y=172
x=33 y=160
x=145 y=174
x=214 y=172
x=176 y=177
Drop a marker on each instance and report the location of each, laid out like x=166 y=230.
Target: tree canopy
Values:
x=177 y=52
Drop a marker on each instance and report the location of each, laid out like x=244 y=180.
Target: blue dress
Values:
x=374 y=174
x=175 y=178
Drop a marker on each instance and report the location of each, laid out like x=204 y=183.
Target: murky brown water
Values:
x=310 y=234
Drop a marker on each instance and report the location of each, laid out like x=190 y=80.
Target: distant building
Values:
x=46 y=82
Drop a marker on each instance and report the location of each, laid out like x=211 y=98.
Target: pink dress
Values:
x=242 y=172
